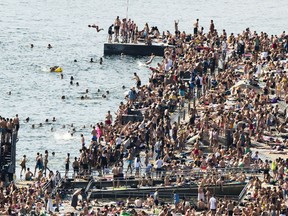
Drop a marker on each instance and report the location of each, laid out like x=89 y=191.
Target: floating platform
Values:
x=139 y=49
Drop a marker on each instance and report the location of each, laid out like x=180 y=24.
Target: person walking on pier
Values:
x=46 y=162
x=67 y=163
x=39 y=162
x=23 y=165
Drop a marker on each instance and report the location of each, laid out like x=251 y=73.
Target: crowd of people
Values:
x=240 y=82
x=238 y=85
x=127 y=31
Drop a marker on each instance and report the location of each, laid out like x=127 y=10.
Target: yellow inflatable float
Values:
x=56 y=69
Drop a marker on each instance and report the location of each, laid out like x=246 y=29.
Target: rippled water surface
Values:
x=63 y=23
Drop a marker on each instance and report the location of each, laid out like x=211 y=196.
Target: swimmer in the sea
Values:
x=71 y=82
x=61 y=76
x=52 y=69
x=54 y=119
x=101 y=61
x=96 y=27
x=71 y=78
x=91 y=60
x=63 y=97
x=31 y=46
x=87 y=91
x=75 y=60
x=49 y=46
x=77 y=83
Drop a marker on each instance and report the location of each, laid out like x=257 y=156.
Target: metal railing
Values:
x=243 y=192
x=156 y=175
x=58 y=182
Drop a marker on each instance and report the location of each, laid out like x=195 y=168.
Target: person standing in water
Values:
x=82 y=140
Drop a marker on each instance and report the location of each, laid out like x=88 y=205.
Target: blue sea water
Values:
x=36 y=93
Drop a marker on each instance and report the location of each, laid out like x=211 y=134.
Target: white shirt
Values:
x=167 y=67
x=217 y=154
x=155 y=196
x=258 y=69
x=213 y=203
x=256 y=157
x=118 y=141
x=201 y=80
x=264 y=55
x=157 y=145
x=224 y=45
x=138 y=203
x=136 y=163
x=170 y=62
x=159 y=163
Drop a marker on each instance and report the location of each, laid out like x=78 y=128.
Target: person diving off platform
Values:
x=96 y=27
